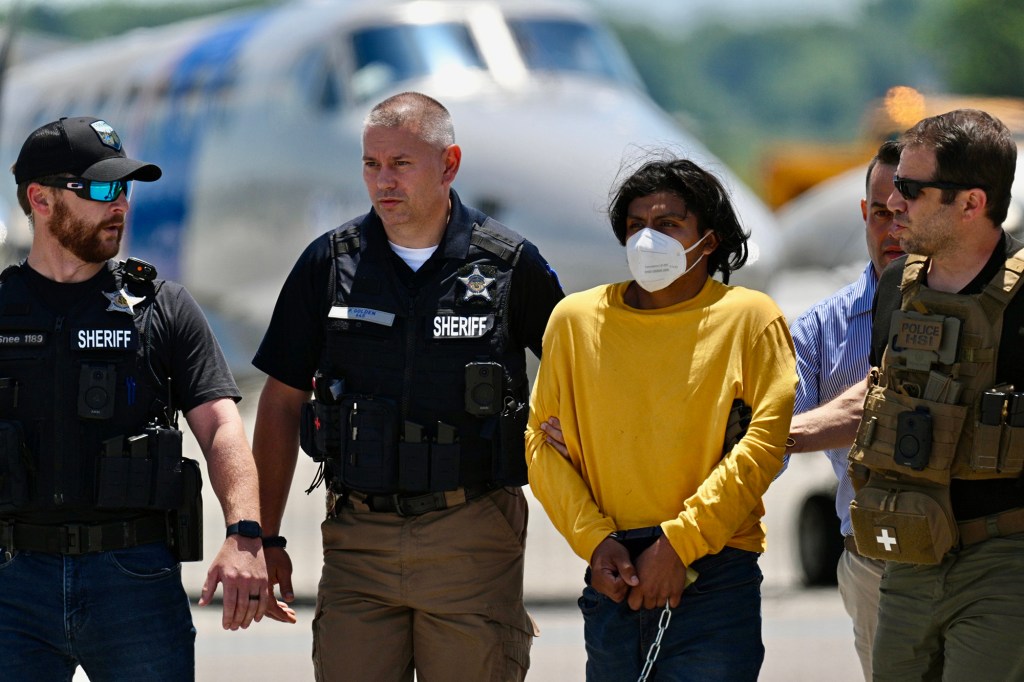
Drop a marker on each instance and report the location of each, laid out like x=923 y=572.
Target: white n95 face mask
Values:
x=656 y=260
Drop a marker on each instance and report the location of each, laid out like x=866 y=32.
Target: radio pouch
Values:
x=509 y=466
x=187 y=520
x=898 y=520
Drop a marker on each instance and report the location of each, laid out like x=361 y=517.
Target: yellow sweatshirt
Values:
x=643 y=397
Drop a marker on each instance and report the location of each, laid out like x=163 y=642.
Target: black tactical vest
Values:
x=440 y=356
x=75 y=387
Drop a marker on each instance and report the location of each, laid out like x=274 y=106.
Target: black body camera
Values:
x=913 y=438
x=484 y=388
x=139 y=270
x=96 y=390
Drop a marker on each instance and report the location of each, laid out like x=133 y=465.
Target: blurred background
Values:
x=253 y=110
x=749 y=78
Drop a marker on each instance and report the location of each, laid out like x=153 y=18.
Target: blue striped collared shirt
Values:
x=832 y=340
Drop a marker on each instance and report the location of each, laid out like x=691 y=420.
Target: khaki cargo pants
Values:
x=441 y=593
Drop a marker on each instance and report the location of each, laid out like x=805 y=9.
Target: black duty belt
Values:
x=82 y=538
x=414 y=505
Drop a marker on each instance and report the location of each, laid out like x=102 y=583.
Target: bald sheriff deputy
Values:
x=413 y=321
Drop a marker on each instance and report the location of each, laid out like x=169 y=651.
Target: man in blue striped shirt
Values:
x=833 y=340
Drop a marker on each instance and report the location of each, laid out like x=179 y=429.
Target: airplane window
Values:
x=318 y=80
x=385 y=55
x=564 y=45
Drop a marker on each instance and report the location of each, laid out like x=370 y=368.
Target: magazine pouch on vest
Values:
x=142 y=471
x=186 y=521
x=899 y=520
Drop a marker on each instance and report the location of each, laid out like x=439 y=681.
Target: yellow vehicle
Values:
x=791 y=169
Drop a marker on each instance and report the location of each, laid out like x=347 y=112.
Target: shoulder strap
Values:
x=344 y=240
x=497 y=240
x=913 y=272
x=1004 y=286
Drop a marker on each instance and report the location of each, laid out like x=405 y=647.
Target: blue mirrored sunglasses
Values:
x=93 y=190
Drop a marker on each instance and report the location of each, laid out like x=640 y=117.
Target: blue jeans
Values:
x=121 y=615
x=714 y=633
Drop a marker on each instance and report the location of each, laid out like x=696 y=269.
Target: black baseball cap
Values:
x=85 y=147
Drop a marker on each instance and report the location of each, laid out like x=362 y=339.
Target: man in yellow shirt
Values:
x=642 y=375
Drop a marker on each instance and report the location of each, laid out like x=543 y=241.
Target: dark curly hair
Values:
x=705 y=197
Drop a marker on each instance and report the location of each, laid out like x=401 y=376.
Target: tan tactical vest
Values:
x=941 y=358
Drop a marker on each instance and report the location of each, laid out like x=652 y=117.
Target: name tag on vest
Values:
x=362 y=314
x=462 y=326
x=16 y=339
x=914 y=331
x=104 y=339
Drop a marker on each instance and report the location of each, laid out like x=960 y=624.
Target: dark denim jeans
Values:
x=121 y=615
x=714 y=634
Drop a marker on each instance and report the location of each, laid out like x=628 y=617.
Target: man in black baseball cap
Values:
x=85 y=147
x=96 y=357
x=83 y=155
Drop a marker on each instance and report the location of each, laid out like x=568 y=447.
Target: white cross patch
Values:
x=888 y=541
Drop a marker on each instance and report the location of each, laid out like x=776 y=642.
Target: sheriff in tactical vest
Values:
x=419 y=391
x=932 y=414
x=83 y=425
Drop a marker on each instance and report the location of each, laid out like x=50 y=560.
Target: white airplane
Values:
x=256 y=116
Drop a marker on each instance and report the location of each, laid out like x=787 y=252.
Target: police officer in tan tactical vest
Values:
x=939 y=444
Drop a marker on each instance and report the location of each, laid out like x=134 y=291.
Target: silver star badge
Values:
x=123 y=302
x=476 y=284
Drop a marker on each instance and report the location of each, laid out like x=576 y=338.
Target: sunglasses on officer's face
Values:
x=911 y=189
x=93 y=190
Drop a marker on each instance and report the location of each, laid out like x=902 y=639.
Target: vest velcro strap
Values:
x=82 y=538
x=978 y=355
x=997 y=525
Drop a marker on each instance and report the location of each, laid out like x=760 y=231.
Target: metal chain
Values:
x=652 y=653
